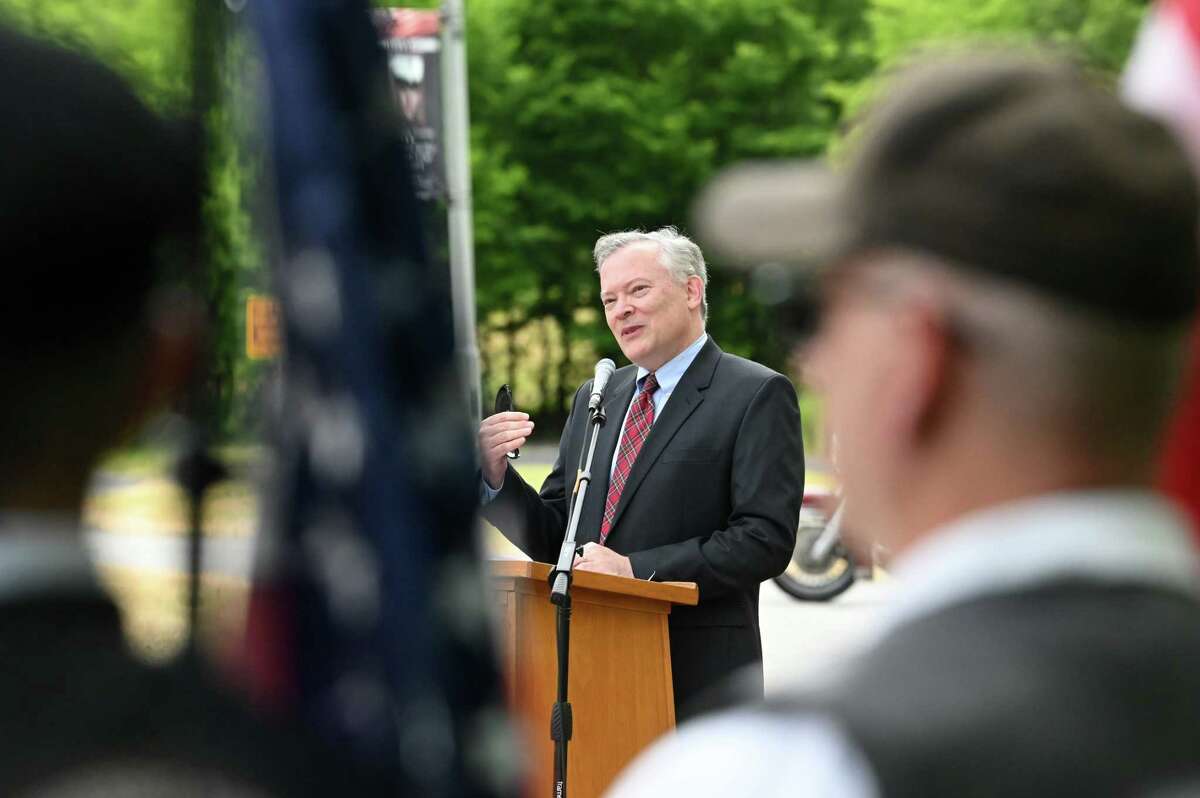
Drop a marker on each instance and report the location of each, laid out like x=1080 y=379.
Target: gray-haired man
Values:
x=698 y=473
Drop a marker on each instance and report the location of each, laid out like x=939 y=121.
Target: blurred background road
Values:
x=805 y=641
x=136 y=522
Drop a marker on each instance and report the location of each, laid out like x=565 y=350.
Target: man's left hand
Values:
x=603 y=560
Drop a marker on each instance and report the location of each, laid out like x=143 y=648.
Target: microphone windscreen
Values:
x=604 y=371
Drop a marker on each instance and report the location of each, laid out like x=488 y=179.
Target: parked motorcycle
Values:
x=822 y=567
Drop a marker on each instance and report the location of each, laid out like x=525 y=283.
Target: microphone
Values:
x=604 y=371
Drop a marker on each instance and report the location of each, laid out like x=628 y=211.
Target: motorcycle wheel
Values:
x=816 y=581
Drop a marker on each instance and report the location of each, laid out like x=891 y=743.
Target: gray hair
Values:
x=1108 y=385
x=677 y=253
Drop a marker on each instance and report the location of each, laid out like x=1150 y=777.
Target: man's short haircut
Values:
x=93 y=188
x=1003 y=163
x=95 y=191
x=1067 y=223
x=1024 y=168
x=676 y=252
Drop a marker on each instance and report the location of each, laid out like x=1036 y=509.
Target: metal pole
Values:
x=457 y=146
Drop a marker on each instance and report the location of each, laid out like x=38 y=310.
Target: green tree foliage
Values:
x=1099 y=33
x=149 y=42
x=589 y=117
x=236 y=252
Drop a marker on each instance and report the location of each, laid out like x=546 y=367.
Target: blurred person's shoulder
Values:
x=772 y=751
x=1041 y=688
x=81 y=715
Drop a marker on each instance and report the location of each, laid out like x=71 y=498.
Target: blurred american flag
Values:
x=1163 y=78
x=368 y=620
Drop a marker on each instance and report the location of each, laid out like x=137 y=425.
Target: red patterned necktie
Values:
x=637 y=427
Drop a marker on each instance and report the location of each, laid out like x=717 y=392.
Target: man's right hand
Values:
x=499 y=435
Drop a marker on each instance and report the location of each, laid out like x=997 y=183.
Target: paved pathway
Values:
x=225 y=556
x=801 y=640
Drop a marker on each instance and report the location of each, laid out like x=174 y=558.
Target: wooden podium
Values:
x=620 y=670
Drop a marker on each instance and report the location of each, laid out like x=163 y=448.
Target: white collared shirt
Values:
x=1117 y=536
x=1102 y=535
x=43 y=553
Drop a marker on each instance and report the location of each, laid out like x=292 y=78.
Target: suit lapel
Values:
x=688 y=395
x=620 y=395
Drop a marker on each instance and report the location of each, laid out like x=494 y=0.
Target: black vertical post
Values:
x=197 y=471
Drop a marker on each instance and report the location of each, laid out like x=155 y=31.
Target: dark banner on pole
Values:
x=410 y=38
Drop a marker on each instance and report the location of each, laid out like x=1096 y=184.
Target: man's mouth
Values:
x=631 y=331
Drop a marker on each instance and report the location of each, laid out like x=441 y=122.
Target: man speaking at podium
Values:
x=698 y=473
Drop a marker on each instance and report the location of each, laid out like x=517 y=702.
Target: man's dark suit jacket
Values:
x=713 y=498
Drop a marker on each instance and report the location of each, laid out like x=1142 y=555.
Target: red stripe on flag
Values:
x=1189 y=12
x=408 y=22
x=1163 y=79
x=1180 y=476
x=265 y=666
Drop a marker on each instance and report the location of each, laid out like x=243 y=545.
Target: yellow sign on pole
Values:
x=262 y=327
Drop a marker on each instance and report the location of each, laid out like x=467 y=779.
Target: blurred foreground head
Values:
x=97 y=194
x=1010 y=267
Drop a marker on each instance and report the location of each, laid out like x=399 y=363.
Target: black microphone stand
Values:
x=561 y=721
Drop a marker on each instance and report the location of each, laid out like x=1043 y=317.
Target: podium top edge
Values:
x=675 y=592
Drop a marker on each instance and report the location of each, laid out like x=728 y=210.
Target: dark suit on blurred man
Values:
x=78 y=713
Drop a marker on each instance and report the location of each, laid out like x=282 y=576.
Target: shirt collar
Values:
x=670 y=373
x=42 y=553
x=1116 y=536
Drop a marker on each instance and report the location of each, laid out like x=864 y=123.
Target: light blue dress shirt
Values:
x=668 y=376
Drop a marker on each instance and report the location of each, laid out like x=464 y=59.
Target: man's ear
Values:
x=922 y=377
x=695 y=292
